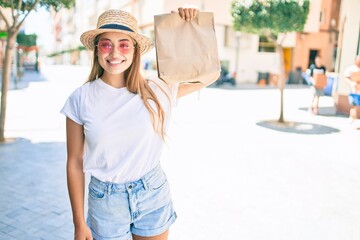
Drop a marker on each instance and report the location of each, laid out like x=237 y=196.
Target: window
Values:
x=266 y=45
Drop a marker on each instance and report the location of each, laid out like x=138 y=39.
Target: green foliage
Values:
x=55 y=54
x=27 y=4
x=26 y=40
x=269 y=17
x=57 y=5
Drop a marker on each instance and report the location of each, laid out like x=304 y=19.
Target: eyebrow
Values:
x=120 y=40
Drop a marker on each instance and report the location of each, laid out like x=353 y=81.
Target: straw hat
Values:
x=117 y=21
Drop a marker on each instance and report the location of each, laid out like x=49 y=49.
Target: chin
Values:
x=116 y=70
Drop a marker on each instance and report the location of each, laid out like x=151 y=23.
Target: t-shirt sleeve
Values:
x=72 y=107
x=348 y=72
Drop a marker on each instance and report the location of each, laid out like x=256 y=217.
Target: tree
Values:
x=19 y=12
x=26 y=40
x=270 y=18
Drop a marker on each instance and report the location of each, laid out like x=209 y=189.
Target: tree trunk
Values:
x=11 y=39
x=282 y=80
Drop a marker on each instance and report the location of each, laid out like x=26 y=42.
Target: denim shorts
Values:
x=354 y=99
x=143 y=207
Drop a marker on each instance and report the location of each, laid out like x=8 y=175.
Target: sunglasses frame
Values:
x=117 y=47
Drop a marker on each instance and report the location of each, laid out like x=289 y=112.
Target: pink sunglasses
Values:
x=106 y=46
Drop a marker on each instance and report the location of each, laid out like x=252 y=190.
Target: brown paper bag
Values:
x=186 y=51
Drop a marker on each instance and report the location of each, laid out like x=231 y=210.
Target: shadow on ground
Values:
x=297 y=127
x=24 y=81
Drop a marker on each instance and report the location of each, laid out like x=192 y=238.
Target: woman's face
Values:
x=115 y=52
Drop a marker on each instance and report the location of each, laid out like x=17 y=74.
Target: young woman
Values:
x=116 y=124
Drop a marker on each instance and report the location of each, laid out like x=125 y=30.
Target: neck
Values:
x=114 y=80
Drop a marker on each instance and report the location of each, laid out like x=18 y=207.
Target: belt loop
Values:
x=109 y=187
x=143 y=180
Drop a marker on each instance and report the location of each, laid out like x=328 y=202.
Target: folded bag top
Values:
x=186 y=51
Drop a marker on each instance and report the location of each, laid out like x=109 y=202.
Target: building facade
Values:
x=319 y=37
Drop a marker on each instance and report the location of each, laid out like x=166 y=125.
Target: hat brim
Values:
x=145 y=44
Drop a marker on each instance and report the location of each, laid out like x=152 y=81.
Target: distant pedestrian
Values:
x=318 y=81
x=352 y=77
x=116 y=125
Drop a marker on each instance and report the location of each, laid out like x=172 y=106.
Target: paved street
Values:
x=234 y=172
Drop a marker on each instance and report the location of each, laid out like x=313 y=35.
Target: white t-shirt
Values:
x=351 y=69
x=121 y=144
x=348 y=71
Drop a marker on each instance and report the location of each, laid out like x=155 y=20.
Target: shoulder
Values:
x=163 y=90
x=156 y=84
x=350 y=69
x=73 y=107
x=353 y=68
x=81 y=89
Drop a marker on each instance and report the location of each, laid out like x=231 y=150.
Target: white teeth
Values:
x=115 y=62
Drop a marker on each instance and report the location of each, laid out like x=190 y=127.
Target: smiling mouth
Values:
x=116 y=62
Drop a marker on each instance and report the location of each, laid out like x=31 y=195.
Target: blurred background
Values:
x=235 y=171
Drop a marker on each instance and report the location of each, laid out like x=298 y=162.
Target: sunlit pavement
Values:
x=234 y=172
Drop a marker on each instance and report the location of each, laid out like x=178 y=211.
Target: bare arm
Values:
x=75 y=177
x=187 y=88
x=348 y=80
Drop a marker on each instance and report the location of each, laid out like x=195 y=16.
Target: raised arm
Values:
x=187 y=88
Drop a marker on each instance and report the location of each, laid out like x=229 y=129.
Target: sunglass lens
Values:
x=105 y=46
x=124 y=47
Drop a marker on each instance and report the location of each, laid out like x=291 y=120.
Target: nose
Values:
x=115 y=51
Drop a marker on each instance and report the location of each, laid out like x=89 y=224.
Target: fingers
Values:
x=182 y=13
x=194 y=12
x=188 y=14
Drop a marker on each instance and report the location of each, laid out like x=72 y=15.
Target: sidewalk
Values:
x=233 y=173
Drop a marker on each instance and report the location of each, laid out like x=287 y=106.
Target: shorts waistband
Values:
x=122 y=187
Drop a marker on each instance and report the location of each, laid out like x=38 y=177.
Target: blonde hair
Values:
x=135 y=83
